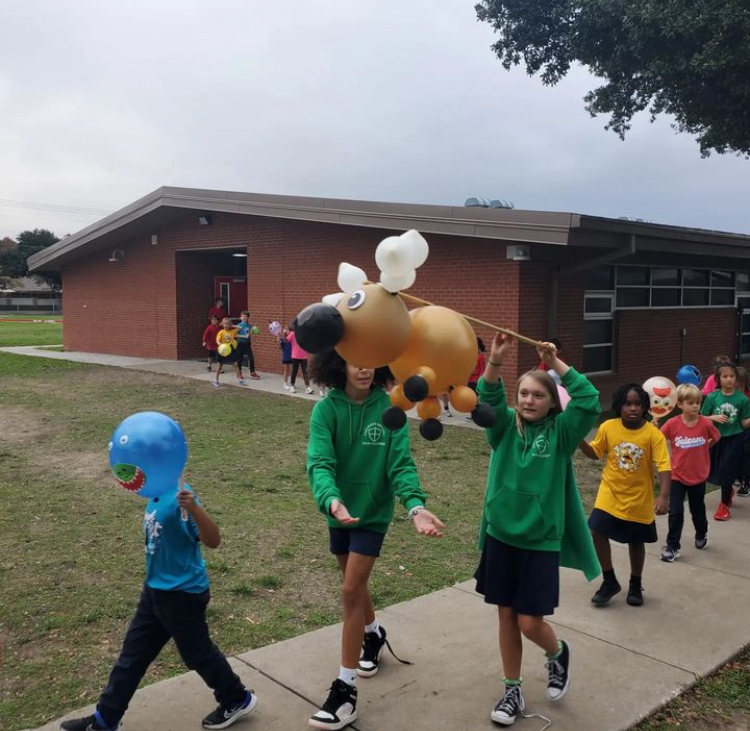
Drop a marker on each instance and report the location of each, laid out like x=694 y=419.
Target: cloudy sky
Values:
x=102 y=102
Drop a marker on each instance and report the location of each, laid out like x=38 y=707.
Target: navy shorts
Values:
x=526 y=581
x=622 y=531
x=355 y=540
x=228 y=359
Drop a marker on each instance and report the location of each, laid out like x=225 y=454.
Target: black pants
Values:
x=245 y=348
x=162 y=615
x=696 y=500
x=296 y=364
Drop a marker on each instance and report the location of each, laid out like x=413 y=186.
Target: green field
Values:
x=20 y=332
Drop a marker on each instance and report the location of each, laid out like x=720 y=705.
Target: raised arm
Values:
x=492 y=392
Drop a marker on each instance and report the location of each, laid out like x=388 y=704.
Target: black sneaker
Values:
x=701 y=542
x=509 y=706
x=89 y=723
x=371 y=646
x=635 y=594
x=744 y=490
x=669 y=554
x=606 y=591
x=225 y=716
x=559 y=673
x=340 y=708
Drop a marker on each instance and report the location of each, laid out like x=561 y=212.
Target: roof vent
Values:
x=487 y=203
x=635 y=220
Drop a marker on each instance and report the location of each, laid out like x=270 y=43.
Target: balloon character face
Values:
x=663 y=395
x=275 y=328
x=689 y=374
x=148 y=453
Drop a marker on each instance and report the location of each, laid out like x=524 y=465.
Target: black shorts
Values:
x=228 y=359
x=343 y=541
x=213 y=355
x=286 y=362
x=526 y=581
x=622 y=531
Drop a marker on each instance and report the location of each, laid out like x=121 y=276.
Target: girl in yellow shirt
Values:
x=625 y=505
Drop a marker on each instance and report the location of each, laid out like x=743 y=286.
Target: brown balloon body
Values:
x=376 y=329
x=442 y=340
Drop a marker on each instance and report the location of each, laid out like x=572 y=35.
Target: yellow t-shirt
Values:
x=228 y=337
x=627 y=487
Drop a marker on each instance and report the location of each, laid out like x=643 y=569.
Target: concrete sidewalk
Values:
x=626 y=661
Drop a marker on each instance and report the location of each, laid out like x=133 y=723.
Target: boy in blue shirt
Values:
x=172 y=605
x=244 y=344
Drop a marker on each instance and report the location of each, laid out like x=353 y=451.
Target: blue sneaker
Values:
x=88 y=723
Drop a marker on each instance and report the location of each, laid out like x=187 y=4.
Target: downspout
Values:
x=614 y=256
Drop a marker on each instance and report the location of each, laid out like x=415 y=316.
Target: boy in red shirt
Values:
x=689 y=435
x=209 y=340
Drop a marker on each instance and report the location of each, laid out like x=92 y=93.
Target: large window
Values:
x=637 y=287
x=598 y=332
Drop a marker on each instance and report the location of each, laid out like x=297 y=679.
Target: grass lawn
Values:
x=19 y=332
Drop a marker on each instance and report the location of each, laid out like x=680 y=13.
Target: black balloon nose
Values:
x=318 y=327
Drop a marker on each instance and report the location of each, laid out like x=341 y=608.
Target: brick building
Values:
x=628 y=299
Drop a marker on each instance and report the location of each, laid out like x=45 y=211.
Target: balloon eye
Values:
x=357 y=299
x=124 y=439
x=109 y=447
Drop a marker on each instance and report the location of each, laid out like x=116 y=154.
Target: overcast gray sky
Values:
x=397 y=100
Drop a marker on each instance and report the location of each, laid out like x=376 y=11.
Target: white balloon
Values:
x=333 y=299
x=392 y=257
x=350 y=278
x=416 y=247
x=398 y=284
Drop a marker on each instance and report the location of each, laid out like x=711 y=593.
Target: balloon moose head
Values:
x=431 y=350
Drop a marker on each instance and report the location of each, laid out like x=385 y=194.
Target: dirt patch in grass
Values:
x=20 y=425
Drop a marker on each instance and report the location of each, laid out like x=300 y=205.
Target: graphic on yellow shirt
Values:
x=629 y=456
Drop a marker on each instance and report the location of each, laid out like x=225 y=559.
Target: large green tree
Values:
x=687 y=58
x=13 y=261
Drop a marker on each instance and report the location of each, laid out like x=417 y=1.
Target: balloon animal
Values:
x=431 y=350
x=148 y=453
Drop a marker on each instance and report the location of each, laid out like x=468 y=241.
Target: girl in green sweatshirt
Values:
x=356 y=469
x=533 y=519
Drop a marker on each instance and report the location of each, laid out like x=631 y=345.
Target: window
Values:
x=598 y=332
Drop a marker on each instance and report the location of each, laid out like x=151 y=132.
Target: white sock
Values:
x=374 y=627
x=348 y=675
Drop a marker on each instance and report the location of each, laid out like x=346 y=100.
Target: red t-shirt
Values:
x=209 y=337
x=219 y=312
x=690 y=459
x=476 y=374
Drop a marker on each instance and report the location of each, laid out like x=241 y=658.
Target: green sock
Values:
x=555 y=655
x=510 y=682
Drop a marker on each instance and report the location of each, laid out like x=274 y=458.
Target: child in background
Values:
x=476 y=374
x=689 y=436
x=228 y=336
x=299 y=360
x=356 y=469
x=209 y=341
x=533 y=520
x=218 y=310
x=730 y=410
x=711 y=383
x=172 y=605
x=625 y=505
x=286 y=358
x=244 y=344
x=743 y=385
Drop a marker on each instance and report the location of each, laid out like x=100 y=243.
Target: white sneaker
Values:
x=242 y=382
x=292 y=389
x=309 y=390
x=215 y=383
x=286 y=387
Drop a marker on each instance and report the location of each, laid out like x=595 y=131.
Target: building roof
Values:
x=168 y=205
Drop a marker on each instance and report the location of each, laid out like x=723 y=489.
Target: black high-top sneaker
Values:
x=509 y=706
x=559 y=673
x=340 y=708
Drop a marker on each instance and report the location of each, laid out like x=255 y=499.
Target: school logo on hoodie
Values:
x=374 y=434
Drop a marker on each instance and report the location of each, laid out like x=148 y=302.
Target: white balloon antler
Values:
x=398 y=257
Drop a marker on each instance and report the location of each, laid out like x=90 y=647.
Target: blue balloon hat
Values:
x=148 y=453
x=689 y=374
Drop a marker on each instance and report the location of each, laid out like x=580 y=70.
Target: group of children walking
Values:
x=532 y=520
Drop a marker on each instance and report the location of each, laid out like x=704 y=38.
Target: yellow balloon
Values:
x=376 y=327
x=225 y=349
x=442 y=340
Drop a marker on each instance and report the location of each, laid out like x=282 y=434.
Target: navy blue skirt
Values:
x=525 y=580
x=622 y=531
x=726 y=460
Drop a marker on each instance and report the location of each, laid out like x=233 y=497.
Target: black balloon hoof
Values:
x=416 y=389
x=484 y=415
x=394 y=418
x=318 y=327
x=431 y=429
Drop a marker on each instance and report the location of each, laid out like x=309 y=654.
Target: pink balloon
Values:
x=562 y=394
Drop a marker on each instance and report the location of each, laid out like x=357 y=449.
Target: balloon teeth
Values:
x=136 y=482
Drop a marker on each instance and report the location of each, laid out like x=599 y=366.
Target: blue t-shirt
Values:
x=286 y=350
x=173 y=556
x=244 y=330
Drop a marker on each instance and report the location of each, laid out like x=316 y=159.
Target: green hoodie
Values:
x=353 y=458
x=532 y=499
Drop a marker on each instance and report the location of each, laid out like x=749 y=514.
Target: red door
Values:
x=233 y=290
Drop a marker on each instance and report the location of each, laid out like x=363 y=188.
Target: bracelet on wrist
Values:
x=416 y=509
x=497 y=365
